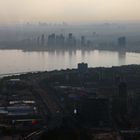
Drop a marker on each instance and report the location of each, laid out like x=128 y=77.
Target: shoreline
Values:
x=45 y=48
x=61 y=70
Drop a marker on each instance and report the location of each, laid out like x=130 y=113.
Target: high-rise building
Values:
x=70 y=36
x=89 y=43
x=122 y=41
x=38 y=41
x=71 y=41
x=82 y=67
x=60 y=40
x=83 y=41
x=51 y=40
x=42 y=39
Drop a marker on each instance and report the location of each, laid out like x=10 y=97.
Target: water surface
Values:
x=14 y=61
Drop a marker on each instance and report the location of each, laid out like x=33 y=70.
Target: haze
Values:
x=68 y=10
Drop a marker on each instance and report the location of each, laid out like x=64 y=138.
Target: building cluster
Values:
x=88 y=99
x=70 y=41
x=54 y=40
x=102 y=102
x=18 y=108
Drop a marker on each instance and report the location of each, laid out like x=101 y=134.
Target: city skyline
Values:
x=79 y=11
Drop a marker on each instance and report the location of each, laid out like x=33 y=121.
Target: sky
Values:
x=73 y=11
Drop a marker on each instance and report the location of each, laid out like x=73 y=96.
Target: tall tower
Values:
x=83 y=43
x=42 y=40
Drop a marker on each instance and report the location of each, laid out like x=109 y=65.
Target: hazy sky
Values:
x=68 y=10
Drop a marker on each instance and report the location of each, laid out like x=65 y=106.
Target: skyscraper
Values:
x=60 y=40
x=82 y=67
x=83 y=41
x=42 y=39
x=122 y=41
x=71 y=41
x=51 y=40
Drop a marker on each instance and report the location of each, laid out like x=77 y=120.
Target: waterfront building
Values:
x=83 y=41
x=122 y=41
x=51 y=40
x=82 y=67
x=71 y=41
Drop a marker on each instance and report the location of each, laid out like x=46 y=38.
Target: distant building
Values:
x=122 y=41
x=70 y=36
x=38 y=41
x=89 y=43
x=51 y=40
x=60 y=40
x=83 y=41
x=82 y=67
x=71 y=41
x=42 y=39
